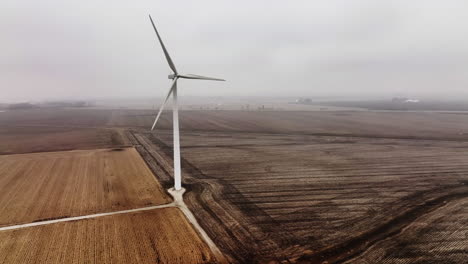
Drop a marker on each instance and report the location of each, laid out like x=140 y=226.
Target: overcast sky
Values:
x=63 y=49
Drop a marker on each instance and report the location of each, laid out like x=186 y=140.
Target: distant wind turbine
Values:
x=175 y=111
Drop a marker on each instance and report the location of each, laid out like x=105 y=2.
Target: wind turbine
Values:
x=175 y=111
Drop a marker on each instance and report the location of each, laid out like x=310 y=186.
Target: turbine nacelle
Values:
x=193 y=77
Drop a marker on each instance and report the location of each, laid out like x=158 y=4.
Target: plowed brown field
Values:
x=53 y=185
x=375 y=188
x=405 y=125
x=157 y=236
x=27 y=139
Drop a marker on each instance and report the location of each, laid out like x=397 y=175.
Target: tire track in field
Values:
x=357 y=245
x=203 y=198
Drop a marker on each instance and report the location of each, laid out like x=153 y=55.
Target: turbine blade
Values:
x=199 y=77
x=162 y=106
x=168 y=58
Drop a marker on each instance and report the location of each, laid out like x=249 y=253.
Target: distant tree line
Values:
x=27 y=105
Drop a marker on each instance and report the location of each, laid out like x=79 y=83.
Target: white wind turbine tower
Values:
x=173 y=90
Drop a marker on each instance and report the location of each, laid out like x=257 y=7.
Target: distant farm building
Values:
x=404 y=100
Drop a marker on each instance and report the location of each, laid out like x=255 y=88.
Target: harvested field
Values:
x=157 y=236
x=54 y=185
x=57 y=117
x=306 y=197
x=404 y=125
x=42 y=130
x=439 y=237
x=16 y=140
x=297 y=186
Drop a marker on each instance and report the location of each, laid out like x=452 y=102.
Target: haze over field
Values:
x=63 y=49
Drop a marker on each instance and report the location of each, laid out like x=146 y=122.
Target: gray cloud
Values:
x=56 y=49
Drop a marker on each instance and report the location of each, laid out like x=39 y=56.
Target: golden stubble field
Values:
x=52 y=185
x=97 y=174
x=156 y=236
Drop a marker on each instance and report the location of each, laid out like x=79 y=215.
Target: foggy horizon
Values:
x=82 y=50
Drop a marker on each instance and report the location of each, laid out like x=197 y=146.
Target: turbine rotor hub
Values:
x=172 y=76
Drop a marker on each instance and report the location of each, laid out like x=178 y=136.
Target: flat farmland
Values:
x=29 y=139
x=267 y=186
x=42 y=130
x=439 y=237
x=405 y=125
x=357 y=194
x=156 y=236
x=57 y=117
x=53 y=185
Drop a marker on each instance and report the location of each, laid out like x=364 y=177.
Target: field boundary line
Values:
x=76 y=218
x=179 y=203
x=70 y=150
